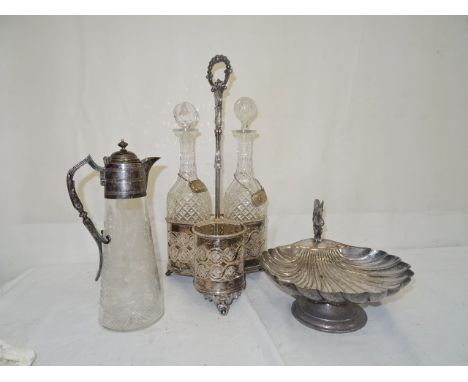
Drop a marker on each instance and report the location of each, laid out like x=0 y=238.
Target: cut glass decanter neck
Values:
x=245 y=152
x=187 y=166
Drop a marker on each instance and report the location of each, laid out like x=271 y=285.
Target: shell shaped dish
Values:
x=328 y=271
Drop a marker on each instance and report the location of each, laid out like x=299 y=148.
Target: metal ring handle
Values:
x=99 y=238
x=227 y=72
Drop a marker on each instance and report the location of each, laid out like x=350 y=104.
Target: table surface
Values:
x=54 y=310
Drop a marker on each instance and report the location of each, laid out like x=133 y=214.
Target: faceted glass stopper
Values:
x=246 y=111
x=185 y=115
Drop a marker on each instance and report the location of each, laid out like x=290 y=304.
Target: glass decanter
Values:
x=245 y=199
x=188 y=200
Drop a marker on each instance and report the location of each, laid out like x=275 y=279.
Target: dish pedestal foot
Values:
x=326 y=317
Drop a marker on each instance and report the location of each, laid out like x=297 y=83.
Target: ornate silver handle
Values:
x=99 y=238
x=218 y=88
x=227 y=72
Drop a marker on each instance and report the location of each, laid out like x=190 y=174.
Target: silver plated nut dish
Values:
x=329 y=279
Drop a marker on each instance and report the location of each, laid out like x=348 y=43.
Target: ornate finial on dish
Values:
x=318 y=221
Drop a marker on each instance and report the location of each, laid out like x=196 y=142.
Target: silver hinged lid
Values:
x=125 y=176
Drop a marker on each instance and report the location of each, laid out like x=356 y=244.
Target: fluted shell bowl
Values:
x=328 y=280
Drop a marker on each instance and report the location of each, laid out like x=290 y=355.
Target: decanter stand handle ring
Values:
x=227 y=72
x=99 y=238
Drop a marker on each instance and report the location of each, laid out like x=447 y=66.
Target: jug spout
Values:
x=147 y=164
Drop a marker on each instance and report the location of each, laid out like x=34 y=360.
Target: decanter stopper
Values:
x=185 y=115
x=246 y=111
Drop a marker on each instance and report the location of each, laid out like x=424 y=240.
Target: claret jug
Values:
x=131 y=292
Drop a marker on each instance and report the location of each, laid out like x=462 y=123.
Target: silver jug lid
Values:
x=123 y=155
x=125 y=176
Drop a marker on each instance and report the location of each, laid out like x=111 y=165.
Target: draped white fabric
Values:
x=54 y=310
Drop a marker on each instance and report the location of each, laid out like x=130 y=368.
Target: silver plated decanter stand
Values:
x=188 y=201
x=219 y=261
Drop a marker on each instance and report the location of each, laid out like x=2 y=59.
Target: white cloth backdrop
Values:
x=368 y=113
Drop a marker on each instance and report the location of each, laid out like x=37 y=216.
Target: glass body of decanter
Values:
x=245 y=201
x=188 y=200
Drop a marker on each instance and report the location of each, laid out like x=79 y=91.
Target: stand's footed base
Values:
x=252 y=265
x=222 y=293
x=223 y=302
x=341 y=318
x=179 y=272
